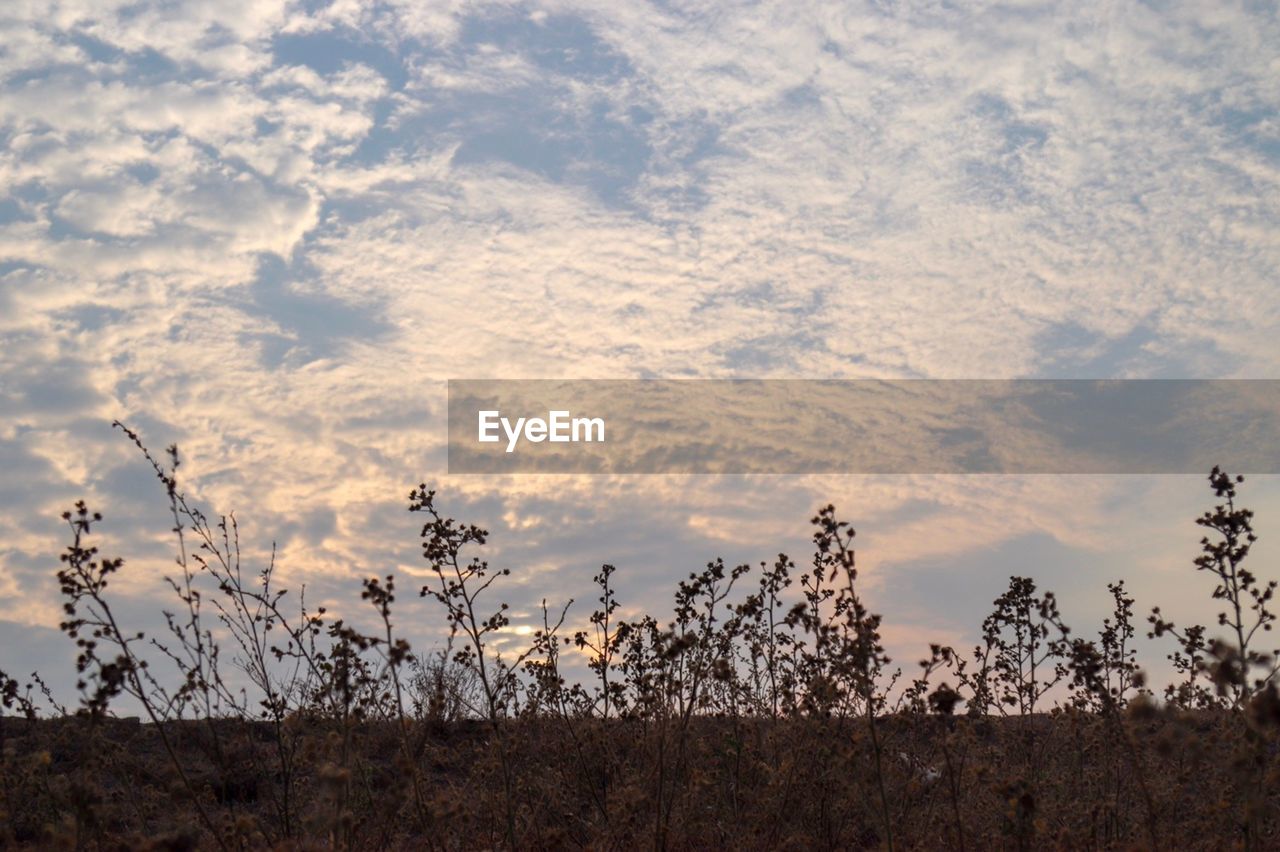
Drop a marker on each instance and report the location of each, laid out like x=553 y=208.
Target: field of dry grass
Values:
x=762 y=714
x=1064 y=780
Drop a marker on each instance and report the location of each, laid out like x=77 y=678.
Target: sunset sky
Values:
x=270 y=231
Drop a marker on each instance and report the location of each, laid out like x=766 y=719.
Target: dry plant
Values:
x=761 y=712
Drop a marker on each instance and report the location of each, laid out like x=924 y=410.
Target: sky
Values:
x=271 y=231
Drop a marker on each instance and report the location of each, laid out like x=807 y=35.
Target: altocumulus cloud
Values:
x=270 y=230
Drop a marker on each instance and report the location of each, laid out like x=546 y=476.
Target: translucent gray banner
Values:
x=863 y=426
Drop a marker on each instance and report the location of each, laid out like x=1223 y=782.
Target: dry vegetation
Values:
x=762 y=714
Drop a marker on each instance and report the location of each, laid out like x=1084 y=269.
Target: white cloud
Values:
x=822 y=190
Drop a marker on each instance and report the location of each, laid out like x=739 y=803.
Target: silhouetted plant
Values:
x=1025 y=641
x=1236 y=666
x=460 y=588
x=15 y=696
x=762 y=713
x=84 y=582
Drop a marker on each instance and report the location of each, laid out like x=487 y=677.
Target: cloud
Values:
x=269 y=231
